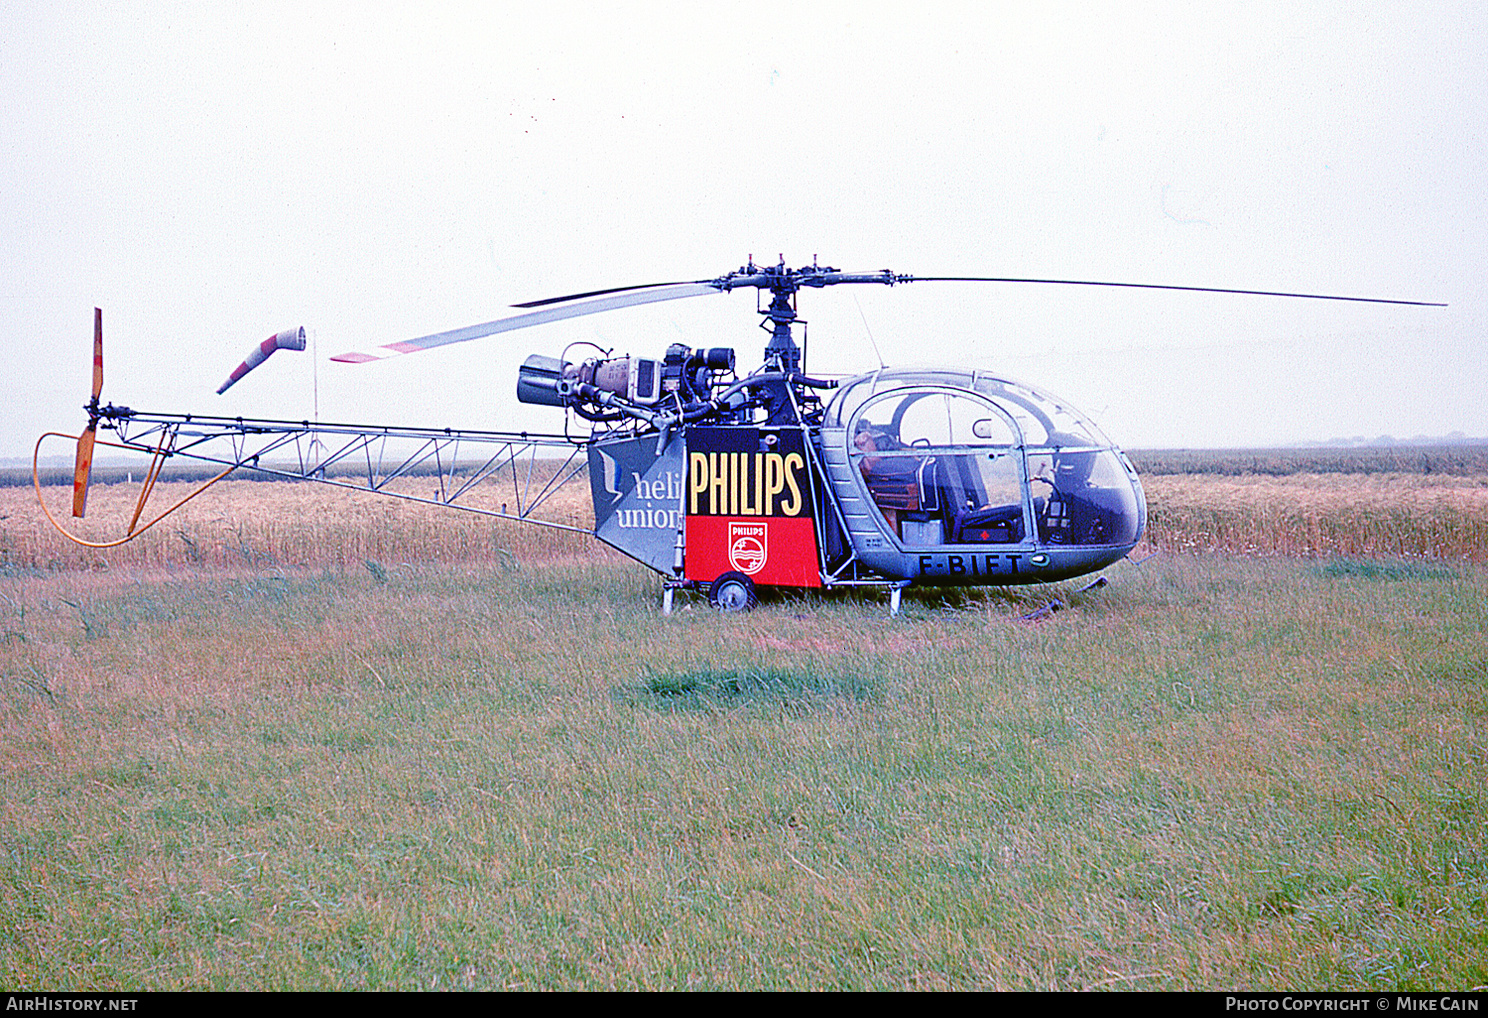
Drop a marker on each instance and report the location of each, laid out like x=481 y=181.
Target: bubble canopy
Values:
x=957 y=458
x=1041 y=418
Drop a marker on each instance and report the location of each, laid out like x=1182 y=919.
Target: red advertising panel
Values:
x=748 y=505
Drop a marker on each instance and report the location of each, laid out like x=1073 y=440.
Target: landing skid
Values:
x=896 y=596
x=1058 y=605
x=744 y=599
x=896 y=592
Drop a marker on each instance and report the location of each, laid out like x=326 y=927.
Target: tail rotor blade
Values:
x=82 y=470
x=97 y=354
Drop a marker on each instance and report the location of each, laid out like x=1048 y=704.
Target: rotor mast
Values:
x=782 y=353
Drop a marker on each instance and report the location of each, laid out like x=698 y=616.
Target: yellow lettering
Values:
x=718 y=486
x=697 y=482
x=793 y=463
x=733 y=468
x=759 y=484
x=745 y=507
x=745 y=484
x=774 y=480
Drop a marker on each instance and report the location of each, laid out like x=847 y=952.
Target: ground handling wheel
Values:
x=732 y=592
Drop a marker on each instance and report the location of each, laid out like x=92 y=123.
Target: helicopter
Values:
x=725 y=482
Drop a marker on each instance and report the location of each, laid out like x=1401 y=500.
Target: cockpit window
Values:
x=943 y=419
x=964 y=458
x=1083 y=497
x=1044 y=420
x=1041 y=419
x=942 y=467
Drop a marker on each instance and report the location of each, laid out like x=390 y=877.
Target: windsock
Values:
x=289 y=339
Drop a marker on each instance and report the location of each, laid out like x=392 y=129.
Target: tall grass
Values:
x=245 y=524
x=298 y=738
x=240 y=523
x=1213 y=774
x=1464 y=459
x=1397 y=515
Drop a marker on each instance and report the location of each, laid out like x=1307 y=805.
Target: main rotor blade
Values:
x=597 y=293
x=82 y=469
x=632 y=296
x=97 y=353
x=1160 y=286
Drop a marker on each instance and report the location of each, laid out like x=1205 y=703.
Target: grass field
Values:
x=300 y=740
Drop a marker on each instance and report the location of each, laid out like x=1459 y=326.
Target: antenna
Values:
x=871 y=341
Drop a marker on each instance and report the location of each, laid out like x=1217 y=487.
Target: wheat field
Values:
x=1320 y=515
x=253 y=523
x=242 y=523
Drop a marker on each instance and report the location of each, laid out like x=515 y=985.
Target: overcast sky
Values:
x=212 y=173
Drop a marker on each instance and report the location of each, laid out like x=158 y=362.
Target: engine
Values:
x=609 y=388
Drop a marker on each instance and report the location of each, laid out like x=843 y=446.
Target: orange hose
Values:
x=150 y=484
